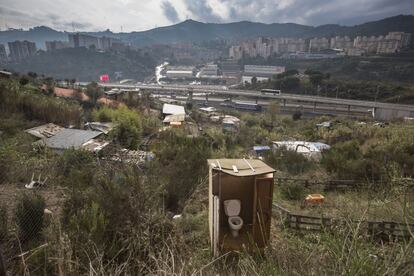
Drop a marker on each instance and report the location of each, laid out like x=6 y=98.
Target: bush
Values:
x=30 y=216
x=179 y=168
x=75 y=160
x=297 y=115
x=128 y=125
x=289 y=161
x=292 y=191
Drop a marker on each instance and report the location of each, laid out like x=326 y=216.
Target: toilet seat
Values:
x=235 y=222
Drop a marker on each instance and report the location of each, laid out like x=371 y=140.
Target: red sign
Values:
x=104 y=78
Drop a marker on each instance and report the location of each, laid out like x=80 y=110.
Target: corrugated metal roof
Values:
x=174 y=118
x=241 y=167
x=172 y=109
x=68 y=138
x=44 y=131
x=302 y=146
x=260 y=148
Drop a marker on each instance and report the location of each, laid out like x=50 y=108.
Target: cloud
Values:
x=311 y=12
x=137 y=15
x=169 y=11
x=201 y=10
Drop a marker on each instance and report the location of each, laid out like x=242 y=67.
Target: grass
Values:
x=364 y=204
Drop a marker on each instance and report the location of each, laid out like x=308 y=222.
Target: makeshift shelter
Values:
x=250 y=182
x=311 y=150
x=73 y=138
x=171 y=109
x=45 y=131
x=260 y=151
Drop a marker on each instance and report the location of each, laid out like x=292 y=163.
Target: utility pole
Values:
x=376 y=96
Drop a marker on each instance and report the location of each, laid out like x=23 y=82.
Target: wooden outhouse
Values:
x=240 y=204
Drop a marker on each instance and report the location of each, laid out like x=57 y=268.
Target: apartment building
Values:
x=81 y=40
x=316 y=44
x=3 y=54
x=56 y=45
x=19 y=50
x=343 y=43
x=101 y=43
x=266 y=47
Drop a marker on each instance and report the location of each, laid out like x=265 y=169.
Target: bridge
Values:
x=379 y=110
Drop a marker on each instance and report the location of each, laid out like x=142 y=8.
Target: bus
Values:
x=247 y=106
x=273 y=92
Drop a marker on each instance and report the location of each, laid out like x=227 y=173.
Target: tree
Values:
x=254 y=81
x=128 y=128
x=94 y=92
x=23 y=80
x=271 y=112
x=316 y=79
x=297 y=115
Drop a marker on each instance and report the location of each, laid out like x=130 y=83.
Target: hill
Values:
x=193 y=31
x=85 y=65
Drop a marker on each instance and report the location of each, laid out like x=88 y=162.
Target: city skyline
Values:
x=127 y=15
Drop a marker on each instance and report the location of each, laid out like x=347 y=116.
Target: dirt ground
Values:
x=54 y=196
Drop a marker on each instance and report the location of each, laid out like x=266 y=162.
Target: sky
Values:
x=139 y=15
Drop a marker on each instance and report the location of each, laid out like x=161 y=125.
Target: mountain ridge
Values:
x=195 y=31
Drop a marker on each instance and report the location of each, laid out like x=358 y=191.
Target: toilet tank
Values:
x=232 y=207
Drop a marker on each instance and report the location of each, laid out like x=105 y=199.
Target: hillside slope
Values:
x=85 y=65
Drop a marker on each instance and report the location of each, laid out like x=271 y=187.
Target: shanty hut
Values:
x=240 y=204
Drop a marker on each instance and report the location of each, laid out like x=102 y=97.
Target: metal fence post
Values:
x=2 y=263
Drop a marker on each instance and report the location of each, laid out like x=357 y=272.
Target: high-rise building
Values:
x=3 y=54
x=80 y=40
x=56 y=45
x=20 y=50
x=339 y=42
x=316 y=44
x=100 y=43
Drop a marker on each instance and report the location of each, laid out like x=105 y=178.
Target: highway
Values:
x=221 y=90
x=317 y=104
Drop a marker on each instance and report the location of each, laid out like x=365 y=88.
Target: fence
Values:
x=327 y=184
x=381 y=229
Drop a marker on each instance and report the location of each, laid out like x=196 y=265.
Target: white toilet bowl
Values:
x=232 y=209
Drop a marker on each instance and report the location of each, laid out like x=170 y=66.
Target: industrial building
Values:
x=209 y=70
x=261 y=72
x=178 y=72
x=230 y=68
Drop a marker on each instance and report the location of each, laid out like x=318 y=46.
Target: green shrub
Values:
x=297 y=115
x=292 y=191
x=289 y=161
x=30 y=216
x=75 y=160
